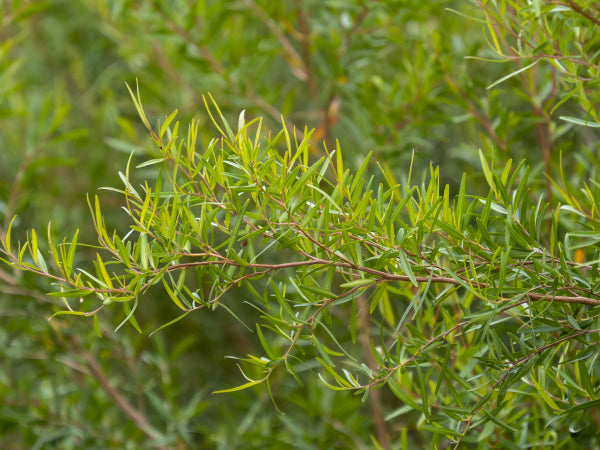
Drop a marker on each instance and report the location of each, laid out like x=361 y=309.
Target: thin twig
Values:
x=575 y=7
x=139 y=418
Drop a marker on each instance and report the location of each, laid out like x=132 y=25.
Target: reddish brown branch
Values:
x=386 y=276
x=575 y=7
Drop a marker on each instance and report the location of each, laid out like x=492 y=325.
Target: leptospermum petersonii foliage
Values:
x=481 y=315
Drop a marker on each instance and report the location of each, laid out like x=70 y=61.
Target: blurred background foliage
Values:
x=386 y=76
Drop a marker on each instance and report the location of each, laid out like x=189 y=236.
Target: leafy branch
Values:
x=439 y=272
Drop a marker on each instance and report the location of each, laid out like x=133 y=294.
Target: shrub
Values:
x=474 y=306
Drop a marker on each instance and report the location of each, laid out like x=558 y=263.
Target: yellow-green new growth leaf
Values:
x=137 y=101
x=102 y=271
x=145 y=209
x=8 y=233
x=71 y=252
x=339 y=166
x=68 y=313
x=173 y=295
x=239 y=388
x=487 y=172
x=34 y=246
x=166 y=124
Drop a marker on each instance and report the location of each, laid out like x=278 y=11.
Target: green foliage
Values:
x=477 y=311
x=471 y=302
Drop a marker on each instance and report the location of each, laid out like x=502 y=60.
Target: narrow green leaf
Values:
x=406 y=268
x=173 y=296
x=301 y=182
x=436 y=429
x=171 y=322
x=71 y=252
x=581 y=407
x=8 y=233
x=506 y=171
x=487 y=171
x=264 y=343
x=577 y=121
x=123 y=253
x=236 y=227
x=145 y=207
x=355 y=283
x=66 y=313
x=324 y=354
x=404 y=397
x=130 y=317
x=544 y=394
x=143 y=249
x=323 y=293
x=512 y=74
x=166 y=124
x=138 y=104
x=360 y=172
x=102 y=271
x=444 y=368
x=72 y=293
x=239 y=388
x=97 y=326
x=34 y=246
x=150 y=162
x=339 y=168
x=41 y=261
x=329 y=368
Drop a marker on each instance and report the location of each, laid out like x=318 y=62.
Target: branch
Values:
x=383 y=277
x=581 y=11
x=122 y=403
